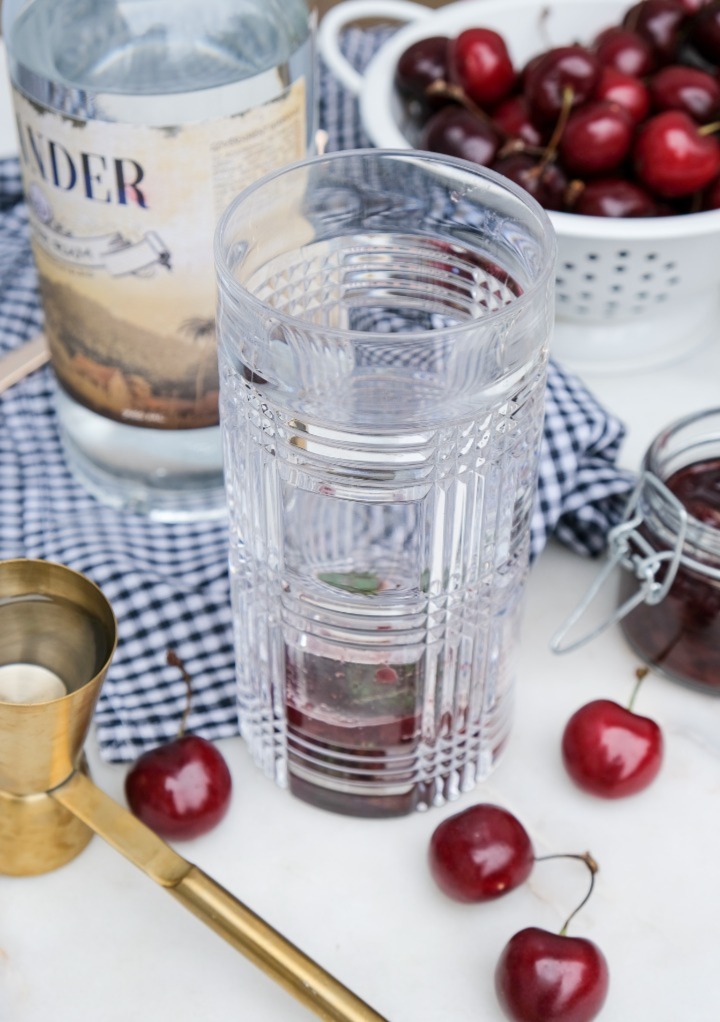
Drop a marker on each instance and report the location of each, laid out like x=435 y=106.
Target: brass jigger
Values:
x=56 y=618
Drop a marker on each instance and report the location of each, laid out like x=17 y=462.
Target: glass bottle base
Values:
x=168 y=476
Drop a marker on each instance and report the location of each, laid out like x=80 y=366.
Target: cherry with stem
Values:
x=454 y=93
x=674 y=156
x=536 y=169
x=173 y=660
x=610 y=750
x=180 y=789
x=553 y=977
x=593 y=868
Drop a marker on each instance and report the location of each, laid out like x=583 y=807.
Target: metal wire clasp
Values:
x=629 y=549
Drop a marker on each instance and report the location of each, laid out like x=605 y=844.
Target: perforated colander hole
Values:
x=647 y=276
x=586 y=295
x=651 y=256
x=619 y=269
x=622 y=254
x=616 y=287
x=592 y=256
x=641 y=295
x=669 y=266
x=672 y=281
x=588 y=276
x=568 y=266
x=662 y=297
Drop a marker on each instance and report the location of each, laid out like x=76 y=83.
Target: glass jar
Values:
x=673 y=550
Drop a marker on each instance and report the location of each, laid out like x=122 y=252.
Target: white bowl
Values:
x=630 y=293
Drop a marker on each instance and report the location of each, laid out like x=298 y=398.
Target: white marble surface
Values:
x=97 y=942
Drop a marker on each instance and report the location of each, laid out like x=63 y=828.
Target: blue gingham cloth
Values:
x=168 y=584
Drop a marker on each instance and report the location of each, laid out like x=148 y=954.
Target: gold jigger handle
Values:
x=211 y=903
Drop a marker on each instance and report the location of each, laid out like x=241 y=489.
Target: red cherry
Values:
x=610 y=751
x=456 y=131
x=480 y=853
x=614 y=197
x=546 y=184
x=480 y=64
x=180 y=789
x=691 y=6
x=624 y=50
x=596 y=138
x=420 y=65
x=625 y=91
x=570 y=71
x=549 y=977
x=528 y=69
x=512 y=117
x=704 y=32
x=686 y=88
x=712 y=196
x=658 y=21
x=672 y=157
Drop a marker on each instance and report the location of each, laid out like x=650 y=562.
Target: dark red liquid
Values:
x=681 y=634
x=353 y=731
x=697 y=487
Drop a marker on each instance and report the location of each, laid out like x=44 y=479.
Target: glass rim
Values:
x=226 y=278
x=665 y=436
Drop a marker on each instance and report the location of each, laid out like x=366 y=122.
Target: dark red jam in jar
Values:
x=680 y=634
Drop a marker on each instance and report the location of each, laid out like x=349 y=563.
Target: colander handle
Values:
x=337 y=18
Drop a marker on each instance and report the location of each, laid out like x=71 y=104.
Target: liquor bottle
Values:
x=138 y=121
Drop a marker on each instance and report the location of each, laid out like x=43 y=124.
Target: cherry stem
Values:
x=592 y=866
x=573 y=191
x=696 y=204
x=442 y=88
x=640 y=674
x=708 y=129
x=551 y=148
x=543 y=19
x=174 y=661
x=517 y=145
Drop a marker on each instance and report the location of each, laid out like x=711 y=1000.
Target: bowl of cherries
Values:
x=607 y=113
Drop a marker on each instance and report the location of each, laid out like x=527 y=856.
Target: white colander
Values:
x=630 y=293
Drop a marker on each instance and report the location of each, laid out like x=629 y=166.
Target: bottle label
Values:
x=122 y=221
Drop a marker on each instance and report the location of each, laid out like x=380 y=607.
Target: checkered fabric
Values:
x=168 y=583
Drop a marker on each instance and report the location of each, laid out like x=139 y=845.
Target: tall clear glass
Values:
x=383 y=323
